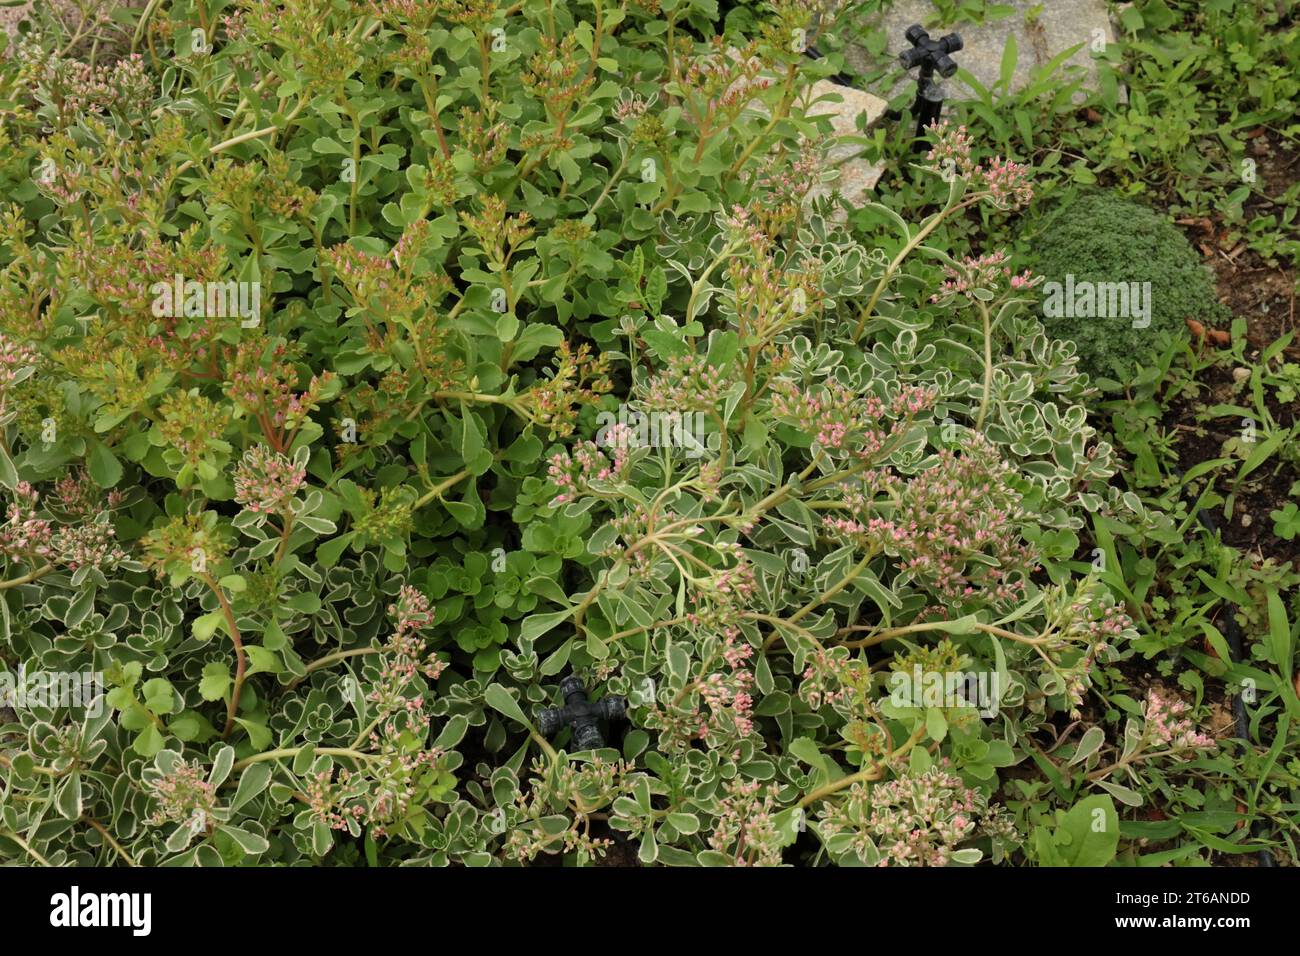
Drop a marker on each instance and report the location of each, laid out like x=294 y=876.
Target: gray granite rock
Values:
x=855 y=177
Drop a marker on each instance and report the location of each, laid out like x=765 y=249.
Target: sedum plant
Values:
x=369 y=367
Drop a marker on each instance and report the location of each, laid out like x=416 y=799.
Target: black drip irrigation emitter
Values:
x=1232 y=632
x=932 y=56
x=580 y=714
x=584 y=718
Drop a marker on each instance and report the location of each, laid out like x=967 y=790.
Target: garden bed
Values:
x=444 y=433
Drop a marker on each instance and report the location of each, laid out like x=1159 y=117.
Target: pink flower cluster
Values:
x=631 y=108
x=980 y=277
x=378 y=799
x=234 y=26
x=724 y=714
x=262 y=382
x=784 y=183
x=1097 y=623
x=632 y=527
x=730 y=706
x=15 y=360
x=91 y=544
x=914 y=820
x=382 y=795
x=77 y=496
x=572 y=472
x=373 y=281
x=1169 y=725
x=952 y=149
x=746 y=827
x=736 y=651
x=1006 y=183
x=267 y=481
x=26 y=536
x=831 y=677
x=722 y=81
x=82 y=88
x=840 y=419
x=412 y=610
x=728 y=695
x=688 y=383
x=404 y=654
x=183 y=796
x=733 y=586
x=404 y=658
x=955 y=526
x=743 y=229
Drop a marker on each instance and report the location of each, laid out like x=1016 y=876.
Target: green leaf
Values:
x=1088 y=834
x=329 y=147
x=258 y=735
x=649 y=851
x=159 y=695
x=535 y=625
x=684 y=823
x=452 y=732
x=472 y=434
x=80 y=608
x=250 y=843
x=149 y=741
x=222 y=763
x=8 y=474
x=322 y=838
x=555 y=663
x=68 y=798
x=936 y=725
x=1123 y=794
x=255 y=778
x=273 y=636
x=500 y=700
x=1008 y=67
x=1280 y=637
x=215 y=681
x=1089 y=743
x=206 y=625
x=962 y=625
x=507 y=327
x=102 y=464
x=328 y=554
x=263 y=661
x=807 y=750
x=788 y=824
x=191 y=727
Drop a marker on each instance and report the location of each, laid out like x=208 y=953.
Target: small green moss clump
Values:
x=1120 y=282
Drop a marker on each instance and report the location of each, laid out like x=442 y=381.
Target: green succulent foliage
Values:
x=355 y=546
x=1100 y=238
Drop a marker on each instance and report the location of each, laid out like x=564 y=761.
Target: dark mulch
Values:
x=1264 y=295
x=1265 y=490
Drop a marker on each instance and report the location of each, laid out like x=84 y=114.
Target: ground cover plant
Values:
x=1102 y=238
x=1205 y=135
x=367 y=369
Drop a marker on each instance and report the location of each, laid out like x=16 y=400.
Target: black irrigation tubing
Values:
x=1232 y=632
